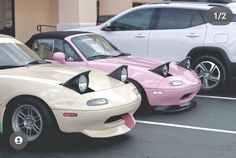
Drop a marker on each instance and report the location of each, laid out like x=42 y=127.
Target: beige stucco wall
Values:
x=66 y=10
x=64 y=14
x=113 y=7
x=77 y=13
x=30 y=13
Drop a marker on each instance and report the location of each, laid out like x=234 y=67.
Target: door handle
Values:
x=140 y=35
x=193 y=35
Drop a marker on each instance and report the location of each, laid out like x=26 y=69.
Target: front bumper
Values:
x=99 y=123
x=172 y=97
x=176 y=108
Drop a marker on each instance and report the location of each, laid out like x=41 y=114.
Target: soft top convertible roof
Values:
x=53 y=35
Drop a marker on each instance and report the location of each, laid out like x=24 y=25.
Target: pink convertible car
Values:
x=166 y=87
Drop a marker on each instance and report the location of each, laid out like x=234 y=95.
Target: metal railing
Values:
x=40 y=27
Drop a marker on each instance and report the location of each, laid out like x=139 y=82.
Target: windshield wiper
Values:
x=10 y=66
x=123 y=54
x=36 y=62
x=99 y=57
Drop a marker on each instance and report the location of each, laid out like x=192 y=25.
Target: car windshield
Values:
x=95 y=47
x=17 y=55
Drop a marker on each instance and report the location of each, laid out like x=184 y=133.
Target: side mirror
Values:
x=108 y=27
x=60 y=57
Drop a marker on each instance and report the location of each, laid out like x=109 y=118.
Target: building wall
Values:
x=77 y=13
x=30 y=13
x=65 y=14
x=113 y=7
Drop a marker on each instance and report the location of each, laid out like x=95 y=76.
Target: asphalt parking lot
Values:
x=206 y=131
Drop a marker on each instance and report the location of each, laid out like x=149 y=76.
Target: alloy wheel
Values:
x=27 y=119
x=209 y=74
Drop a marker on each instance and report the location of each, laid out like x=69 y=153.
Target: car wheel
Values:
x=30 y=116
x=211 y=71
x=145 y=106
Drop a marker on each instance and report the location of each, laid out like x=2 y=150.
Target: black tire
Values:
x=221 y=69
x=145 y=106
x=48 y=124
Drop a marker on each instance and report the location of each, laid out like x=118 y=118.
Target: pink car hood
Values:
x=135 y=61
x=138 y=63
x=139 y=70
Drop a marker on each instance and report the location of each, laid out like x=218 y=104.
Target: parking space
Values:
x=210 y=113
x=206 y=131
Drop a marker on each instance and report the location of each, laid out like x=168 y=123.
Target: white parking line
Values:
x=215 y=97
x=186 y=127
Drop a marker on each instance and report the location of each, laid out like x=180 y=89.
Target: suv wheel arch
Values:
x=210 y=56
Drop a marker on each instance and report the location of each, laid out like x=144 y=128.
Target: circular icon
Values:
x=18 y=140
x=220 y=16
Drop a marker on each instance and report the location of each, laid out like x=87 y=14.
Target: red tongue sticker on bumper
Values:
x=129 y=121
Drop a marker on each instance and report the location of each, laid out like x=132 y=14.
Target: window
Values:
x=94 y=47
x=197 y=19
x=7 y=17
x=46 y=47
x=16 y=54
x=179 y=18
x=234 y=18
x=137 y=20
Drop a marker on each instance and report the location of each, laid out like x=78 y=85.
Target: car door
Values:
x=176 y=32
x=45 y=48
x=130 y=32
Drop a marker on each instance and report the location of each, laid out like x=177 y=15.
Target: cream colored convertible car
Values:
x=37 y=97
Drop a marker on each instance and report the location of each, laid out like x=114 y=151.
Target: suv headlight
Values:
x=97 y=102
x=176 y=83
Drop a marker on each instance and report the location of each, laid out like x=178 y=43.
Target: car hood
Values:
x=132 y=62
x=138 y=64
x=59 y=74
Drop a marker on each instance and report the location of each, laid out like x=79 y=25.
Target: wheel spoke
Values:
x=205 y=83
x=30 y=112
x=202 y=66
x=214 y=79
x=200 y=76
x=36 y=128
x=213 y=67
x=29 y=132
x=21 y=125
x=37 y=119
x=22 y=116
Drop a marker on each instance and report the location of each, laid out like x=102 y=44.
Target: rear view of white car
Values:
x=174 y=30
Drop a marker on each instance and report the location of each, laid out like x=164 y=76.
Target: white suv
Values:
x=174 y=30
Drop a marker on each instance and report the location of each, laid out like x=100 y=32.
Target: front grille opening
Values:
x=115 y=118
x=186 y=96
